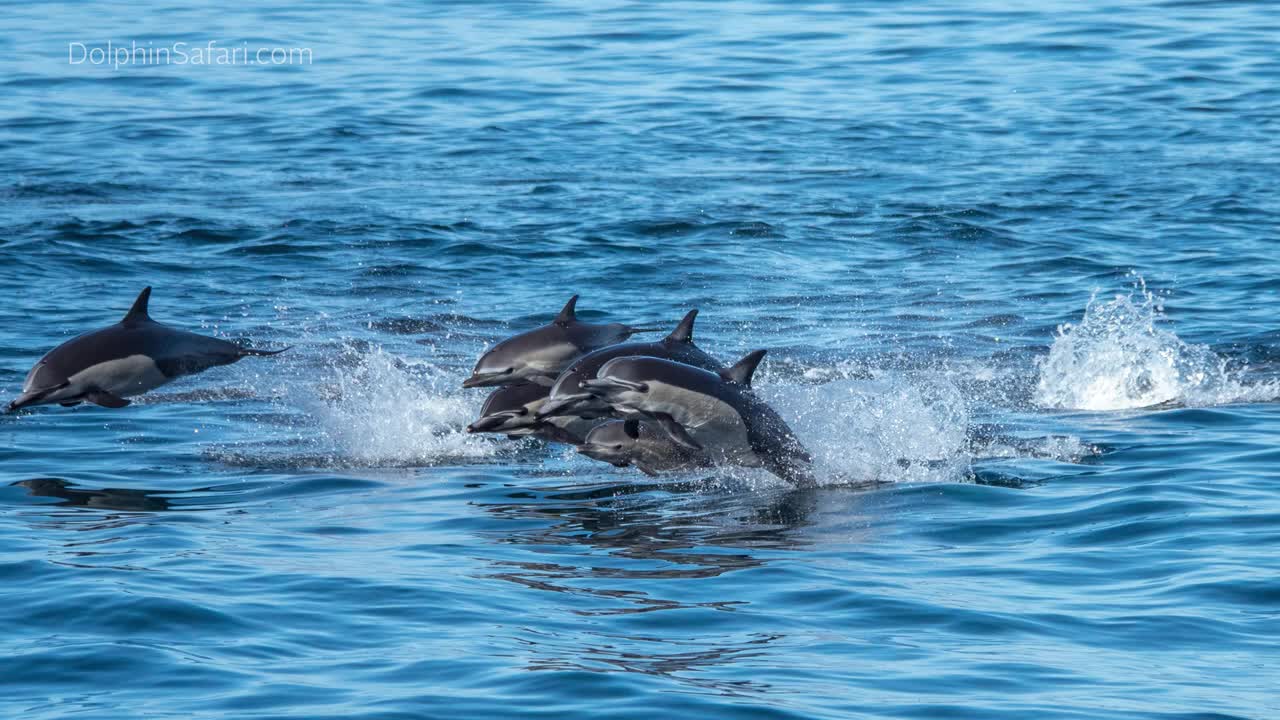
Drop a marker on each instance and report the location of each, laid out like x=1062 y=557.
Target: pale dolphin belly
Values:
x=715 y=424
x=125 y=377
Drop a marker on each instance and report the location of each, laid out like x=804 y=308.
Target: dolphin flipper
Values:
x=646 y=469
x=106 y=399
x=554 y=433
x=676 y=432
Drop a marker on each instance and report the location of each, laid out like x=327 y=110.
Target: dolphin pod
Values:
x=679 y=407
x=137 y=354
x=703 y=411
x=658 y=406
x=569 y=397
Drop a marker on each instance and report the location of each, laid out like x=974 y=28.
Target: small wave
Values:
x=1120 y=357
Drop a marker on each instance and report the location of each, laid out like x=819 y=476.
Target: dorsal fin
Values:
x=138 y=313
x=566 y=315
x=684 y=331
x=631 y=428
x=746 y=367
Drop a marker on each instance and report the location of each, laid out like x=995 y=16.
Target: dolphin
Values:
x=129 y=358
x=540 y=355
x=634 y=442
x=568 y=397
x=513 y=410
x=698 y=409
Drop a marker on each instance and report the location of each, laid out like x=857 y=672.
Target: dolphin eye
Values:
x=523 y=411
x=618 y=446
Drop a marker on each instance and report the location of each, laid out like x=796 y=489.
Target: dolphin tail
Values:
x=252 y=352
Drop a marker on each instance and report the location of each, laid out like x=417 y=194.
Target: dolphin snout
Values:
x=486 y=423
x=488 y=379
x=23 y=400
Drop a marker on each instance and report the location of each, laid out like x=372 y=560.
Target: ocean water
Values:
x=1015 y=265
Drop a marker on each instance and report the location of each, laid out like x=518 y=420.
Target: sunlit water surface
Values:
x=1016 y=268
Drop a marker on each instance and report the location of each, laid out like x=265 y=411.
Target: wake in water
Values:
x=1119 y=356
x=378 y=409
x=372 y=409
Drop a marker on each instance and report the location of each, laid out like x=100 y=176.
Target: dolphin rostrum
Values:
x=513 y=410
x=635 y=442
x=129 y=358
x=717 y=413
x=540 y=355
x=568 y=397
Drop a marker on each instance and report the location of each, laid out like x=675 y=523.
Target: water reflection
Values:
x=125 y=499
x=683 y=660
x=624 y=550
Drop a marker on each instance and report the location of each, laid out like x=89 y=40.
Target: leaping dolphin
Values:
x=705 y=411
x=129 y=358
x=568 y=397
x=634 y=442
x=540 y=355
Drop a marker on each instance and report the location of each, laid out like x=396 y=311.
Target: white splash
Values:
x=383 y=410
x=1120 y=357
x=892 y=428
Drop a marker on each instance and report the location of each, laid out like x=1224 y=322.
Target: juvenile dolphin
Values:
x=540 y=355
x=568 y=397
x=701 y=410
x=129 y=358
x=513 y=410
x=634 y=442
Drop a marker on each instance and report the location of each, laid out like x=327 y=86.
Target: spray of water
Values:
x=386 y=410
x=890 y=428
x=364 y=408
x=1120 y=356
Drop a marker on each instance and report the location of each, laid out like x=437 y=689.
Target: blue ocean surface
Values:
x=1017 y=267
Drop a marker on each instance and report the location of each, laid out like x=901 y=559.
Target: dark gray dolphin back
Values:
x=678 y=347
x=544 y=352
x=512 y=397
